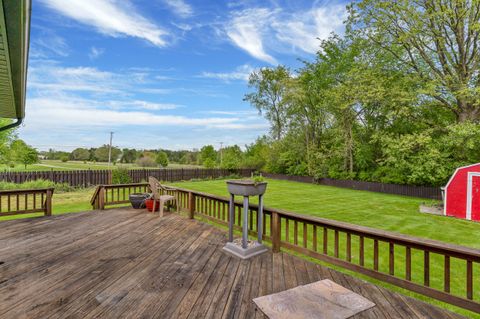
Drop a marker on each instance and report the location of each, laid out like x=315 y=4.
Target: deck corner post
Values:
x=48 y=202
x=191 y=205
x=101 y=198
x=276 y=232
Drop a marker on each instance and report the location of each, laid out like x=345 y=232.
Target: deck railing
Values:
x=26 y=201
x=419 y=265
x=108 y=195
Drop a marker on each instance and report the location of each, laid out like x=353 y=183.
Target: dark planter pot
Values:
x=246 y=187
x=138 y=200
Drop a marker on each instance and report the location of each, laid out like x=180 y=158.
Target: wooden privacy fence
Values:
x=85 y=178
x=406 y=190
x=173 y=175
x=419 y=265
x=80 y=178
x=28 y=201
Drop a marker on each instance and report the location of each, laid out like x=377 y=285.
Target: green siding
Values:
x=14 y=33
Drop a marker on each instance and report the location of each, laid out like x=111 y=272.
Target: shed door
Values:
x=473 y=196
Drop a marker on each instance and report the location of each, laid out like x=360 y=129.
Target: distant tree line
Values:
x=230 y=157
x=142 y=158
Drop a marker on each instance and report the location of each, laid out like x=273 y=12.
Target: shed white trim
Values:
x=470 y=177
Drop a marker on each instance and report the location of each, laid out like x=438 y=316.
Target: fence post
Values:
x=191 y=205
x=101 y=198
x=276 y=232
x=48 y=203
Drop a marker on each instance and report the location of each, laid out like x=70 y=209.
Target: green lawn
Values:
x=47 y=165
x=389 y=212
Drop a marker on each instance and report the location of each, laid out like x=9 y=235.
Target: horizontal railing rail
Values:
x=26 y=201
x=107 y=195
x=420 y=265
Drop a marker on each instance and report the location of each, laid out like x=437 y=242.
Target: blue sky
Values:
x=160 y=73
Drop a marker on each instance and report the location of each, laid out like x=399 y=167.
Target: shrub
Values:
x=209 y=163
x=37 y=184
x=146 y=161
x=64 y=159
x=121 y=176
x=162 y=159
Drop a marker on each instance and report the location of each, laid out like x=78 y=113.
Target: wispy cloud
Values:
x=51 y=78
x=247 y=29
x=142 y=105
x=180 y=8
x=95 y=52
x=241 y=73
x=64 y=112
x=303 y=29
x=50 y=42
x=111 y=17
x=263 y=31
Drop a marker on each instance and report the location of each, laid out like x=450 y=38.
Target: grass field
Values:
x=47 y=165
x=388 y=212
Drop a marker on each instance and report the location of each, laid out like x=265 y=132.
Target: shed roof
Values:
x=14 y=45
x=456 y=171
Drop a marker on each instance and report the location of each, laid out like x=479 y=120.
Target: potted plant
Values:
x=254 y=186
x=138 y=200
x=149 y=203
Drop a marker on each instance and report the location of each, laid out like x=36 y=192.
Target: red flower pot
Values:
x=149 y=205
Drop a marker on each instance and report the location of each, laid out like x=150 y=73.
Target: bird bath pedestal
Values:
x=245 y=248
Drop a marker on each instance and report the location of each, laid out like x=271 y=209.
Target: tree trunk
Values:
x=468 y=113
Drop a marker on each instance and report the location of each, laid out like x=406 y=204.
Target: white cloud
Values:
x=180 y=8
x=95 y=52
x=48 y=78
x=241 y=73
x=261 y=31
x=303 y=30
x=143 y=105
x=50 y=42
x=111 y=17
x=64 y=112
x=247 y=29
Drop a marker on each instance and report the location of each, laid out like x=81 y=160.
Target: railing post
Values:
x=48 y=203
x=276 y=232
x=101 y=198
x=191 y=205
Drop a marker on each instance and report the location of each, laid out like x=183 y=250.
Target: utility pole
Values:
x=221 y=153
x=110 y=149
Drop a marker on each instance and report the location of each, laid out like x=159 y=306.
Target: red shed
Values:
x=462 y=193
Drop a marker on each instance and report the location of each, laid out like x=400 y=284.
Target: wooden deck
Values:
x=125 y=263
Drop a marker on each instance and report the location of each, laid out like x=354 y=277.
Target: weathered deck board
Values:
x=127 y=263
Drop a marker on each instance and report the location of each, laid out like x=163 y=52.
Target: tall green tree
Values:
x=268 y=96
x=162 y=159
x=436 y=40
x=101 y=153
x=23 y=153
x=208 y=156
x=232 y=157
x=80 y=154
x=128 y=155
